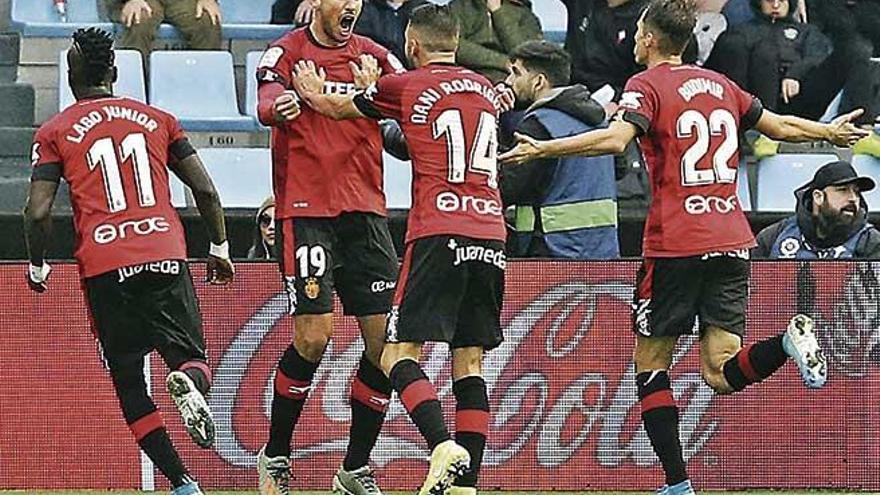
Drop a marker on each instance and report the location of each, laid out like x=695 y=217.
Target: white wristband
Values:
x=220 y=250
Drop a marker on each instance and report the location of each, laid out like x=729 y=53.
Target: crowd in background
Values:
x=797 y=56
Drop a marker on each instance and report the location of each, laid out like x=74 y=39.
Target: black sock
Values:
x=660 y=416
x=420 y=400
x=293 y=378
x=199 y=373
x=755 y=362
x=157 y=445
x=471 y=423
x=370 y=392
x=146 y=424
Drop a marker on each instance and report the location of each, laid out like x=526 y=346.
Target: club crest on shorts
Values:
x=312 y=289
x=391 y=325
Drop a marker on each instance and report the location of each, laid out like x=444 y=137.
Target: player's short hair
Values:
x=545 y=58
x=96 y=47
x=675 y=20
x=437 y=27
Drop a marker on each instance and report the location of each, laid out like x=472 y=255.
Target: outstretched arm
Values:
x=611 y=140
x=841 y=131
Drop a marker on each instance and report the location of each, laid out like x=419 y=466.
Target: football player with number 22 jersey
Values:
x=696 y=241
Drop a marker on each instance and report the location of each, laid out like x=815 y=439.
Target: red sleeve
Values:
x=45 y=150
x=272 y=78
x=638 y=104
x=384 y=100
x=45 y=156
x=175 y=131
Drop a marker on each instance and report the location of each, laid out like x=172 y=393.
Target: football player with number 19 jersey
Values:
x=452 y=280
x=696 y=238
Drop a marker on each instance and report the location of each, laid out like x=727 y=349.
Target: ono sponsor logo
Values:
x=107 y=233
x=449 y=202
x=697 y=204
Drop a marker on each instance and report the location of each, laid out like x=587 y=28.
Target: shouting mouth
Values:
x=346 y=23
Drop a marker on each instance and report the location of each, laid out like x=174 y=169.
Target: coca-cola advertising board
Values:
x=561 y=388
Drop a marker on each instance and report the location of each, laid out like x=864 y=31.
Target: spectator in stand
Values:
x=565 y=207
x=384 y=21
x=830 y=220
x=785 y=63
x=297 y=12
x=600 y=39
x=490 y=30
x=263 y=247
x=197 y=20
x=854 y=29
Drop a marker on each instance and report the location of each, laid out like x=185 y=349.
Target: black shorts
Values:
x=450 y=290
x=138 y=309
x=352 y=254
x=672 y=292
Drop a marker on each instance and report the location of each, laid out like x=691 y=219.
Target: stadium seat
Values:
x=742 y=186
x=130 y=82
x=250 y=20
x=779 y=176
x=178 y=191
x=398 y=182
x=38 y=18
x=199 y=88
x=250 y=98
x=243 y=176
x=870 y=166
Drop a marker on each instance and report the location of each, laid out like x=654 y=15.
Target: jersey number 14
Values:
x=483 y=155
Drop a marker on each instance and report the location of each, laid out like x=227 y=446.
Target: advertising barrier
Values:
x=561 y=388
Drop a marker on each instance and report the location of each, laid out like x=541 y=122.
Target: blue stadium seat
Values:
x=742 y=186
x=398 y=180
x=870 y=166
x=250 y=20
x=780 y=175
x=130 y=83
x=249 y=12
x=243 y=176
x=199 y=88
x=250 y=98
x=178 y=191
x=39 y=18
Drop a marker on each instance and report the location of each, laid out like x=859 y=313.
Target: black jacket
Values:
x=868 y=246
x=759 y=54
x=527 y=183
x=385 y=25
x=601 y=41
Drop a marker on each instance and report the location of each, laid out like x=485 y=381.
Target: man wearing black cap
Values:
x=830 y=220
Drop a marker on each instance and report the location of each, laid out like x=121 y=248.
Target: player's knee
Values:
x=128 y=378
x=467 y=362
x=652 y=358
x=310 y=345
